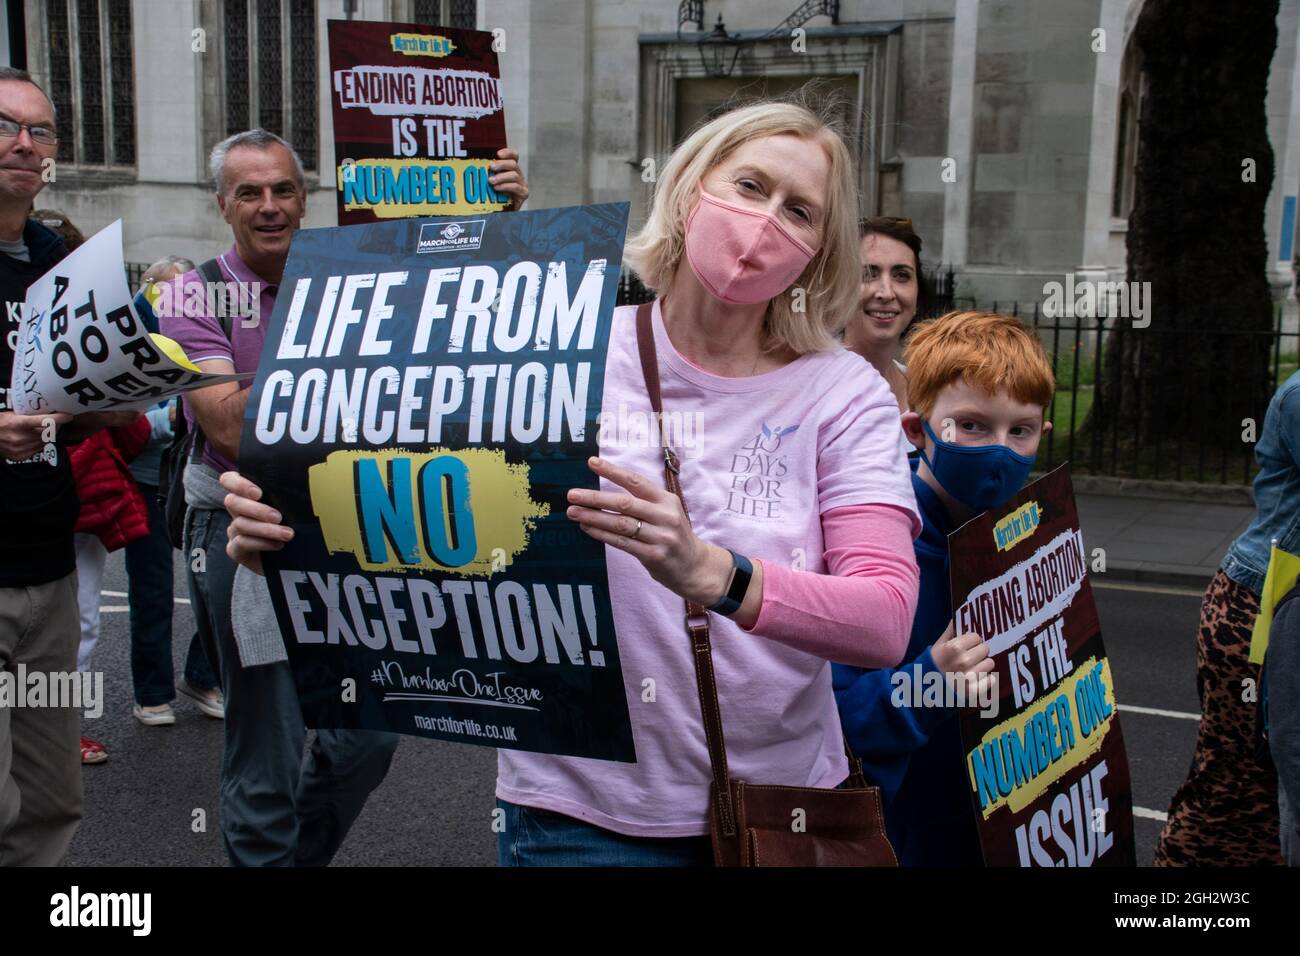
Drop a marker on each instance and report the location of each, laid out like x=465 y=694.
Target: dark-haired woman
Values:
x=892 y=294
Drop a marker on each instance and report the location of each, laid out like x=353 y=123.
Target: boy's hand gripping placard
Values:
x=1047 y=772
x=427 y=395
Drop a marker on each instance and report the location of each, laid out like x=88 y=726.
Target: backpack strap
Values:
x=212 y=275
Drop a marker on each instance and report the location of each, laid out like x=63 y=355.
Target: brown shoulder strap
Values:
x=697 y=618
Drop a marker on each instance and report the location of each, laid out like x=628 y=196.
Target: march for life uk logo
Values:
x=444 y=236
x=757 y=471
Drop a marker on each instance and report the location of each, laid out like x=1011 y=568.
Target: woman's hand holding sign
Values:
x=648 y=522
x=22 y=436
x=955 y=653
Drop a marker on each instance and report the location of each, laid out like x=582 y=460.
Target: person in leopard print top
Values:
x=1226 y=812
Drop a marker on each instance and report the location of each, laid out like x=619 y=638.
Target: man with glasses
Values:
x=40 y=754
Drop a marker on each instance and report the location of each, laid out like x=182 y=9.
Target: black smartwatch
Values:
x=740 y=578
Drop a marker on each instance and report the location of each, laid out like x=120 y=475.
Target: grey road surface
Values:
x=154 y=803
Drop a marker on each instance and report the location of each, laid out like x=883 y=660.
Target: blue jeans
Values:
x=149 y=592
x=534 y=837
x=276 y=808
x=1289 y=826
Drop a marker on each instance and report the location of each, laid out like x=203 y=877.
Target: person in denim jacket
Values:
x=1226 y=813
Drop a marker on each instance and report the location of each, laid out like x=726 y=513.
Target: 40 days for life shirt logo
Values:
x=757 y=472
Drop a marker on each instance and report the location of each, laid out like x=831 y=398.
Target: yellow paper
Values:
x=152 y=294
x=1283 y=568
x=172 y=349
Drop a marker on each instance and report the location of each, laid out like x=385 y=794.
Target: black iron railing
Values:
x=1122 y=446
x=135 y=275
x=631 y=291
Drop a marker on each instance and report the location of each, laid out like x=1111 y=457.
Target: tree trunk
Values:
x=1196 y=233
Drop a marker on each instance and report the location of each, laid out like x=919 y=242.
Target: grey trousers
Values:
x=40 y=749
x=277 y=807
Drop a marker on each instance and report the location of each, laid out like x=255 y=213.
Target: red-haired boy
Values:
x=978 y=387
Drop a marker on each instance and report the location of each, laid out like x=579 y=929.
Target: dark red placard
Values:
x=418 y=118
x=1048 y=774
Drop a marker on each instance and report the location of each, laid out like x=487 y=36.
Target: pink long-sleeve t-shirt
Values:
x=799 y=468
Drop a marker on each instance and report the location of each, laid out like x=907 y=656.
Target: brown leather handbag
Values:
x=760 y=824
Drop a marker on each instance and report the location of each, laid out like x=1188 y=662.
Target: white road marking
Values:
x=1150 y=814
x=1157 y=712
x=111 y=608
x=123 y=594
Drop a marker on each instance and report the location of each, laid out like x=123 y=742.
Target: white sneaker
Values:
x=155 y=718
x=214 y=707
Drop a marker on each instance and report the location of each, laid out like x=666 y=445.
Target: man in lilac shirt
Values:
x=275 y=809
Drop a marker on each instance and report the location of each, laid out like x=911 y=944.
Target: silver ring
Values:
x=637 y=531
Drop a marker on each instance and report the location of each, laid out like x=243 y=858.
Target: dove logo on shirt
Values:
x=757 y=472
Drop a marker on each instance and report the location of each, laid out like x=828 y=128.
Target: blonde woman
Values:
x=752 y=243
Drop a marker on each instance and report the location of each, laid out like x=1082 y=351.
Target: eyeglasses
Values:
x=39 y=134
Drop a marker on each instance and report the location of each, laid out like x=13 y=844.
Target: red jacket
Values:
x=112 y=506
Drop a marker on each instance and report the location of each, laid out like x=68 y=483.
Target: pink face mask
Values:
x=742 y=256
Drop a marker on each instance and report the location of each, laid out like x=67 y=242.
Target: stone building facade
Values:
x=1005 y=129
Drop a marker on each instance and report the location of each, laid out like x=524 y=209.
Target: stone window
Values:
x=92 y=81
x=1131 y=94
x=457 y=14
x=269 y=61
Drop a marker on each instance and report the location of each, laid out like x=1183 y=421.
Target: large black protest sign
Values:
x=427 y=395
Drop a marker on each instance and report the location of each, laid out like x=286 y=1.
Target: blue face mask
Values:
x=979 y=476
